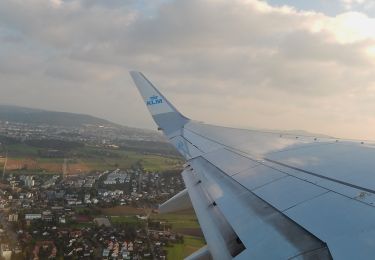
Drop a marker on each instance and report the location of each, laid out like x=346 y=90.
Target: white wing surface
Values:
x=268 y=195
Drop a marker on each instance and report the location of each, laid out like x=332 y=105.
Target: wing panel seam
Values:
x=321 y=176
x=237 y=151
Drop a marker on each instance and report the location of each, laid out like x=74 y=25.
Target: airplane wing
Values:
x=269 y=195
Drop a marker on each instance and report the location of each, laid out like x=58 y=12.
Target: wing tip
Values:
x=166 y=116
x=132 y=72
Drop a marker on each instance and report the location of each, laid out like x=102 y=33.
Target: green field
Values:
x=2 y=160
x=20 y=149
x=186 y=223
x=24 y=158
x=180 y=251
x=81 y=225
x=126 y=159
x=178 y=221
x=124 y=219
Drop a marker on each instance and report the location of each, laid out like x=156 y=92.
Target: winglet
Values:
x=163 y=112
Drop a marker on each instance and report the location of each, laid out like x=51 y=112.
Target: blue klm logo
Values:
x=154 y=100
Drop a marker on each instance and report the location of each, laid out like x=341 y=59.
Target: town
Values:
x=76 y=217
x=103 y=134
x=77 y=187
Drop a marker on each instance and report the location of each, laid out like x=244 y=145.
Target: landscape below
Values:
x=76 y=186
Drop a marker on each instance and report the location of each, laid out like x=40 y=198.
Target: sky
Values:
x=285 y=65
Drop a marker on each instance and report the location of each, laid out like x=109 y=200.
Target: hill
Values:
x=38 y=116
x=34 y=131
x=65 y=120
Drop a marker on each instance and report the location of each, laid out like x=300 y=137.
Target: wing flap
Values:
x=220 y=237
x=201 y=254
x=180 y=201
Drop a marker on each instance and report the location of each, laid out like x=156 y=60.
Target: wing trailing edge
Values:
x=201 y=254
x=181 y=201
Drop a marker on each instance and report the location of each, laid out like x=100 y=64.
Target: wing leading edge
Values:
x=266 y=195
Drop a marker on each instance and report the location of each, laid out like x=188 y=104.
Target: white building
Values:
x=29 y=181
x=5 y=251
x=33 y=216
x=13 y=218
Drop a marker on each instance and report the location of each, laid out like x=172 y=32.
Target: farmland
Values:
x=184 y=222
x=25 y=159
x=178 y=221
x=112 y=174
x=190 y=245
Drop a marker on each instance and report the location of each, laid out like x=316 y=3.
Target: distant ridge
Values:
x=38 y=116
x=129 y=138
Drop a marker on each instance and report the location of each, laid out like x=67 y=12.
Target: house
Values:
x=33 y=216
x=102 y=222
x=47 y=216
x=13 y=218
x=105 y=253
x=5 y=251
x=62 y=220
x=130 y=247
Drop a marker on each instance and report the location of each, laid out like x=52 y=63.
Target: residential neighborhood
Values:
x=50 y=216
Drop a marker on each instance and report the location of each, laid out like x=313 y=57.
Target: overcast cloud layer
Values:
x=237 y=63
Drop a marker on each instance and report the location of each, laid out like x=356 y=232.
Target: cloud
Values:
x=241 y=62
x=365 y=6
x=349 y=4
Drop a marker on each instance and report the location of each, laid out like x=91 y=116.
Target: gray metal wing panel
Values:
x=346 y=225
x=187 y=149
x=288 y=192
x=325 y=159
x=260 y=142
x=258 y=176
x=265 y=232
x=331 y=185
x=203 y=144
x=350 y=192
x=351 y=163
x=255 y=143
x=229 y=162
